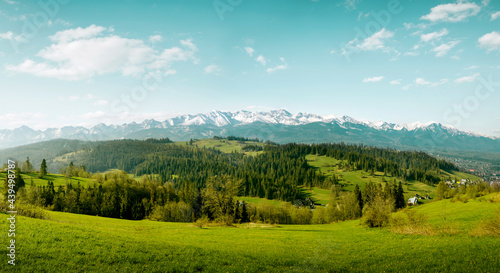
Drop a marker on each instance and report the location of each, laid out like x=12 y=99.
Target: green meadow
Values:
x=224 y=145
x=58 y=179
x=349 y=179
x=79 y=243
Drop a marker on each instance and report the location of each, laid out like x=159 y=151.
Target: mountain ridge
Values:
x=274 y=124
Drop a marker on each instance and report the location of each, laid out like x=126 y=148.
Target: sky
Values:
x=68 y=62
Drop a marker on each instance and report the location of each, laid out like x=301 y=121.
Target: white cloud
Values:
x=376 y=41
x=406 y=87
x=422 y=82
x=411 y=54
x=373 y=79
x=395 y=82
x=77 y=97
x=10 y=2
x=58 y=22
x=363 y=15
x=443 y=49
x=282 y=66
x=433 y=35
x=212 y=69
x=92 y=118
x=82 y=53
x=249 y=51
x=9 y=35
x=170 y=72
x=260 y=59
x=15 y=120
x=495 y=16
x=189 y=44
x=155 y=38
x=440 y=82
x=472 y=67
x=69 y=35
x=490 y=41
x=409 y=26
x=73 y=98
x=452 y=12
x=351 y=4
x=485 y=2
x=470 y=78
x=101 y=102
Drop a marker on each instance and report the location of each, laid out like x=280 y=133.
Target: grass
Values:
x=461 y=175
x=224 y=145
x=258 y=201
x=466 y=215
x=65 y=158
x=79 y=243
x=58 y=179
x=349 y=179
x=320 y=196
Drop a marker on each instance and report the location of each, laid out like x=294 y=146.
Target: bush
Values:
x=320 y=216
x=301 y=216
x=225 y=220
x=26 y=209
x=202 y=222
x=411 y=222
x=32 y=211
x=378 y=213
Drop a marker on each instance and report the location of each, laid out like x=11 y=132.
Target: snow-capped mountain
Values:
x=276 y=125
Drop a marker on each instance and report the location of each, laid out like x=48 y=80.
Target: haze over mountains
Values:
x=276 y=125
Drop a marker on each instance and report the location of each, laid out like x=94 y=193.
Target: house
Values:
x=413 y=201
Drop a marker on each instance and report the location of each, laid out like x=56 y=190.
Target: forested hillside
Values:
x=276 y=173
x=183 y=182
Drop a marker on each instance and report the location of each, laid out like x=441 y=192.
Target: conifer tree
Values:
x=43 y=168
x=359 y=198
x=400 y=198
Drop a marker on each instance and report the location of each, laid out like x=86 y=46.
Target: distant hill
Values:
x=50 y=150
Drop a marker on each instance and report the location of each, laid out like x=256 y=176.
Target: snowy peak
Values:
x=338 y=128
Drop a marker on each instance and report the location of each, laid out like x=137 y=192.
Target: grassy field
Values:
x=349 y=179
x=224 y=145
x=320 y=196
x=58 y=179
x=257 y=200
x=79 y=243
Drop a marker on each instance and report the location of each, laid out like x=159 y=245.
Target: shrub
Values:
x=202 y=222
x=489 y=227
x=377 y=213
x=301 y=216
x=225 y=220
x=320 y=216
x=411 y=222
x=32 y=211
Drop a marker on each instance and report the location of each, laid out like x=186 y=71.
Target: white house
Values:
x=413 y=201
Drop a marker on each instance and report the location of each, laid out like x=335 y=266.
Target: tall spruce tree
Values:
x=43 y=168
x=359 y=198
x=400 y=197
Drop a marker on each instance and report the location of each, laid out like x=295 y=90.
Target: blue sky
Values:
x=68 y=62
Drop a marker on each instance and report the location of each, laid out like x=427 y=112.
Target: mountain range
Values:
x=276 y=125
